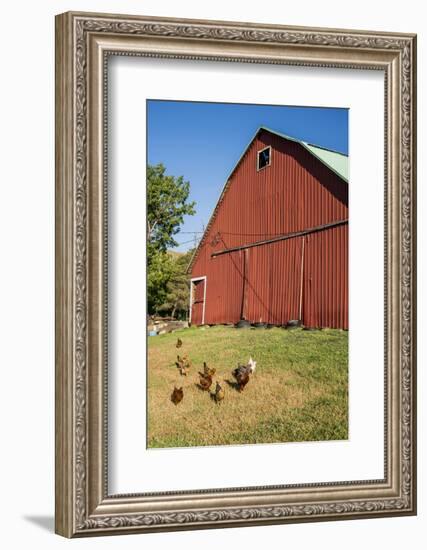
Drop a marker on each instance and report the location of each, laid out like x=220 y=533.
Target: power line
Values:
x=231 y=233
x=250 y=234
x=194 y=239
x=186 y=242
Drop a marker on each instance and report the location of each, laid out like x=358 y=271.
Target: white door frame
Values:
x=204 y=278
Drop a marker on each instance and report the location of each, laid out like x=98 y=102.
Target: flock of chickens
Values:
x=241 y=374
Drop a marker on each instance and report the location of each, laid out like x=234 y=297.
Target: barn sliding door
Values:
x=273 y=282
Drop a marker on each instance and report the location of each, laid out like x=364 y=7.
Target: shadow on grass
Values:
x=201 y=388
x=233 y=385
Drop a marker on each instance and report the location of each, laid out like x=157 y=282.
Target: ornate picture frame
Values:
x=84 y=506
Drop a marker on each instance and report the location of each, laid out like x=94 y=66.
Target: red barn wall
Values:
x=325 y=285
x=295 y=193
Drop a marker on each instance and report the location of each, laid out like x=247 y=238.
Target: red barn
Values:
x=276 y=246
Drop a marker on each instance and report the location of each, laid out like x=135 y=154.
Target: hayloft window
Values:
x=264 y=158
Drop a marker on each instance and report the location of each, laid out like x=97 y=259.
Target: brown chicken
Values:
x=179 y=343
x=177 y=395
x=183 y=370
x=183 y=364
x=205 y=381
x=219 y=393
x=241 y=375
x=207 y=371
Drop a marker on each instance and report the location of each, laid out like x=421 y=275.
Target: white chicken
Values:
x=251 y=366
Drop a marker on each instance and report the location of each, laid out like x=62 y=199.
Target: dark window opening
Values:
x=264 y=158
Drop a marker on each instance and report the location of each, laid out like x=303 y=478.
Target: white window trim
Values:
x=257 y=158
x=204 y=278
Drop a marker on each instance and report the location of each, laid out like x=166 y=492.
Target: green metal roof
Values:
x=337 y=162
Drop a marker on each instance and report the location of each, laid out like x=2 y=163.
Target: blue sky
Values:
x=203 y=141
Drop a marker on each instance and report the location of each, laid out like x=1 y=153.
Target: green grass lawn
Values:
x=299 y=391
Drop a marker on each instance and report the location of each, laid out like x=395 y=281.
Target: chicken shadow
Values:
x=200 y=387
x=232 y=384
x=213 y=396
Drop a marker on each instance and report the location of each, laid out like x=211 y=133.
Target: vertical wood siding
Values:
x=295 y=193
x=325 y=288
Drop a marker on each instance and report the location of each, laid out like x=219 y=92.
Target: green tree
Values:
x=176 y=299
x=167 y=204
x=159 y=274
